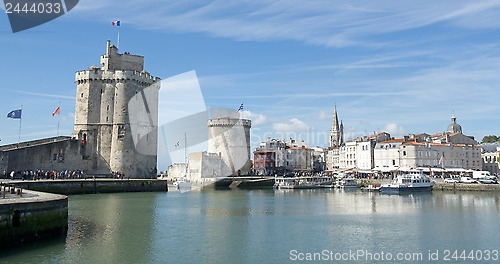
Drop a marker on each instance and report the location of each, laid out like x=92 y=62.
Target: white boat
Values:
x=409 y=182
x=311 y=182
x=347 y=183
x=371 y=188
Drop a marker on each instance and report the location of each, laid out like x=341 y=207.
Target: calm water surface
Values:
x=264 y=226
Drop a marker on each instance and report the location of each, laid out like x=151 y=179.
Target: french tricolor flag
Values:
x=116 y=23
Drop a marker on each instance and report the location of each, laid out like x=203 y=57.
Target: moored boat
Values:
x=371 y=188
x=310 y=182
x=409 y=182
x=347 y=183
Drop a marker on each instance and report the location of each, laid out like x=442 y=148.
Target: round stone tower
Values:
x=101 y=116
x=230 y=137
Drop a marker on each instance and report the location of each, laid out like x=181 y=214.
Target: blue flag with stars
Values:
x=15 y=114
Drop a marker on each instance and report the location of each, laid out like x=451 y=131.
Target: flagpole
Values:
x=118 y=42
x=20 y=121
x=58 y=118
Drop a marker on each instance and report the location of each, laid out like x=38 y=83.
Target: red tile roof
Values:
x=397 y=140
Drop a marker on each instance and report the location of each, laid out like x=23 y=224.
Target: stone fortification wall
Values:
x=59 y=155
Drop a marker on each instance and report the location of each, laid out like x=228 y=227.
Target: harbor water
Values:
x=274 y=226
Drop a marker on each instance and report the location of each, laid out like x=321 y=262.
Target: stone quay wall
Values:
x=91 y=186
x=32 y=217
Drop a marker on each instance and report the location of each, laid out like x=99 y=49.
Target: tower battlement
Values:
x=112 y=60
x=229 y=122
x=97 y=74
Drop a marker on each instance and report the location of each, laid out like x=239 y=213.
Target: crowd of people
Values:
x=43 y=174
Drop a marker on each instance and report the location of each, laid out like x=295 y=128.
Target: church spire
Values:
x=335 y=123
x=336 y=133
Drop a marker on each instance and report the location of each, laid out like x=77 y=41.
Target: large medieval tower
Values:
x=230 y=138
x=101 y=115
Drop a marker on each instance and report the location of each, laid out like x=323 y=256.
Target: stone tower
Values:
x=337 y=131
x=230 y=138
x=101 y=114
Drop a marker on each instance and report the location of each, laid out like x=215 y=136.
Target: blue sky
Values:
x=396 y=66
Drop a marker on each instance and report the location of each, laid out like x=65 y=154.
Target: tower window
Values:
x=81 y=95
x=121 y=132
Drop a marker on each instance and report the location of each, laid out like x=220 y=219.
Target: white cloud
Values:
x=395 y=130
x=257 y=119
x=294 y=125
x=322 y=115
x=317 y=22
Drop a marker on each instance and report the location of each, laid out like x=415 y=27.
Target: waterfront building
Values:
x=347 y=155
x=490 y=157
x=387 y=155
x=354 y=154
x=359 y=152
x=332 y=158
x=278 y=156
x=410 y=154
x=269 y=157
x=177 y=171
x=265 y=161
x=450 y=149
x=204 y=166
x=299 y=159
x=319 y=160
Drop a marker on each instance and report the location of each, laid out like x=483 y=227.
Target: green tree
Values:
x=491 y=139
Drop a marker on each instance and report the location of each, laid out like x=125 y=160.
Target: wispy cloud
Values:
x=42 y=94
x=317 y=22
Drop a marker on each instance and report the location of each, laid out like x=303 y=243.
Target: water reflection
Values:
x=110 y=227
x=241 y=226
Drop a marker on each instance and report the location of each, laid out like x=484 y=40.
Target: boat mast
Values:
x=185 y=153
